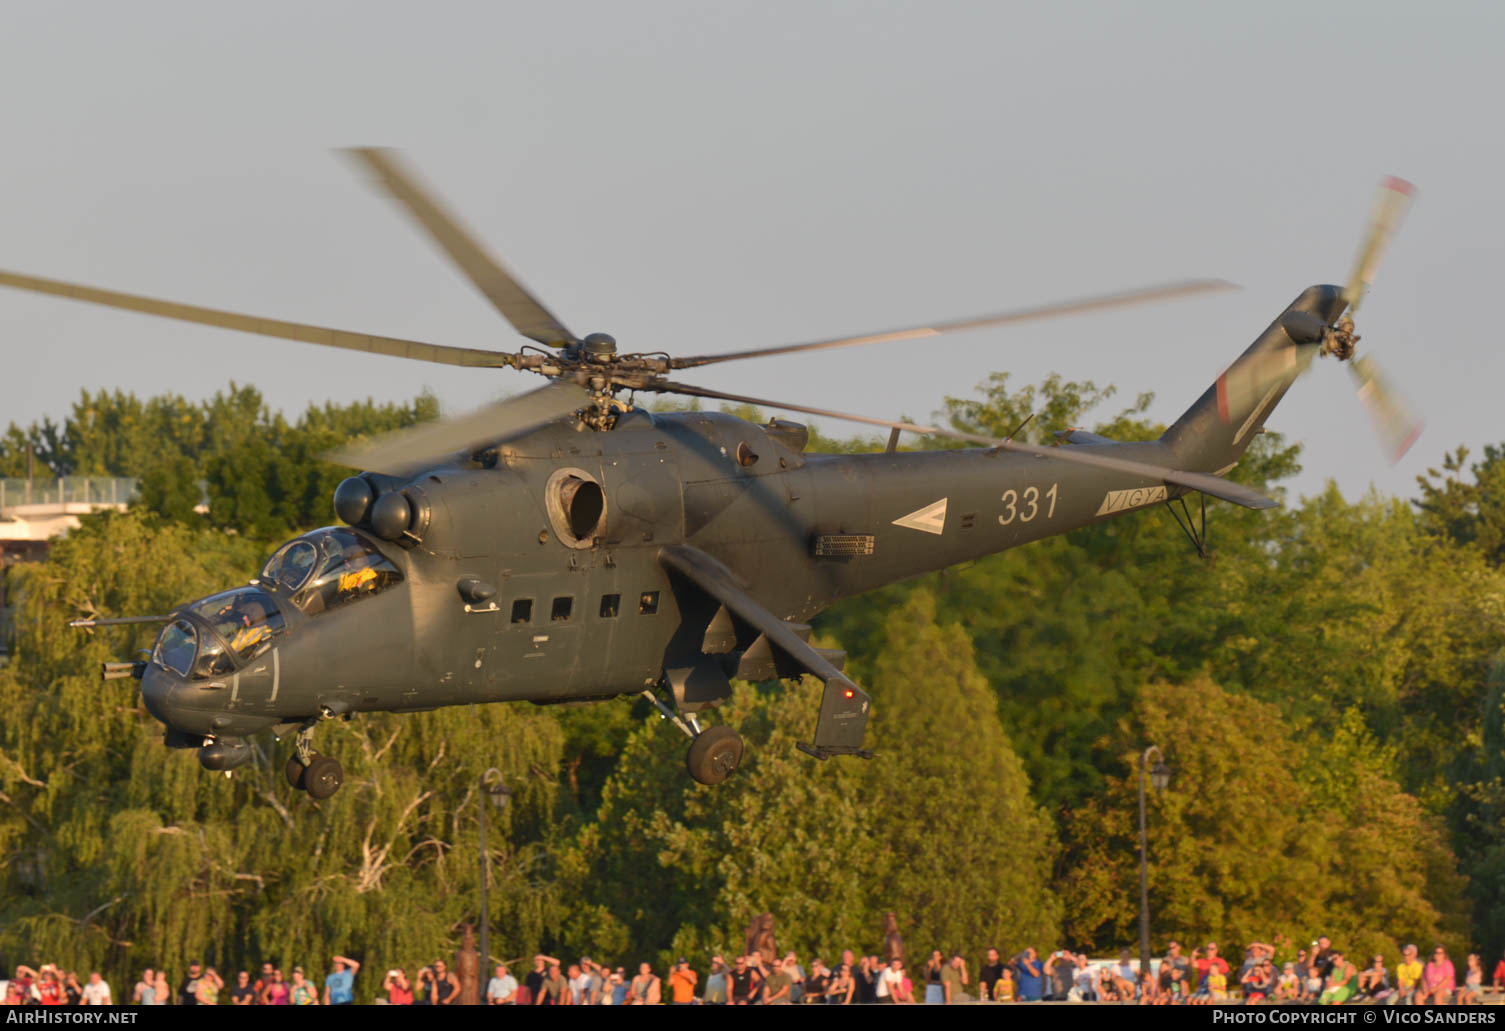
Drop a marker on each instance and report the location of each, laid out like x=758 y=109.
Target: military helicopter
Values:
x=568 y=545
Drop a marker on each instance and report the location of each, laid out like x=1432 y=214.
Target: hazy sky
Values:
x=717 y=176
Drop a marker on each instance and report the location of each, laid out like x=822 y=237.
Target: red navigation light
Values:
x=849 y=692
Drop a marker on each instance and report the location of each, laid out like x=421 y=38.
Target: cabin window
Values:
x=611 y=604
x=522 y=610
x=562 y=609
x=648 y=603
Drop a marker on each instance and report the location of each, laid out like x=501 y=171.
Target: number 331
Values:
x=1027 y=507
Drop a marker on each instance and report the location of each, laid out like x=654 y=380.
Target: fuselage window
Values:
x=648 y=603
x=522 y=610
x=611 y=604
x=562 y=609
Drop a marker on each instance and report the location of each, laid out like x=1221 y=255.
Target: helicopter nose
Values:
x=157 y=685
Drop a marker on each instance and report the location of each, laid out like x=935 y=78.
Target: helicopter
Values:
x=567 y=544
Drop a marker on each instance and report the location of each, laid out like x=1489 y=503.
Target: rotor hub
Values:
x=600 y=347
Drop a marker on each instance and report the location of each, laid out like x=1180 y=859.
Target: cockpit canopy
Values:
x=327 y=568
x=319 y=571
x=241 y=625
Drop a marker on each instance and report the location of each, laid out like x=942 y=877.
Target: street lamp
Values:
x=1160 y=777
x=493 y=793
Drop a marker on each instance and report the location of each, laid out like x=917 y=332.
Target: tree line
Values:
x=1326 y=687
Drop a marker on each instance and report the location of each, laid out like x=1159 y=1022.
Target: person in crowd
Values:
x=1407 y=976
x=556 y=987
x=339 y=987
x=264 y=979
x=144 y=993
x=1498 y=980
x=934 y=993
x=1256 y=982
x=889 y=978
x=164 y=992
x=1057 y=974
x=399 y=990
x=301 y=992
x=73 y=992
x=243 y=994
x=646 y=988
x=1003 y=989
x=865 y=976
x=620 y=987
x=1084 y=984
x=50 y=986
x=1341 y=981
x=716 y=993
x=443 y=987
x=954 y=980
x=1322 y=955
x=843 y=986
x=596 y=978
x=777 y=988
x=1288 y=987
x=533 y=980
x=1438 y=980
x=904 y=992
x=744 y=982
x=576 y=983
x=1028 y=975
x=1374 y=981
x=816 y=983
x=988 y=973
x=1207 y=961
x=682 y=982
x=501 y=990
x=796 y=974
x=1472 y=992
x=210 y=985
x=188 y=991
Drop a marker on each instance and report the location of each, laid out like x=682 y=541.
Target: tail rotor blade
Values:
x=1395 y=197
x=1398 y=428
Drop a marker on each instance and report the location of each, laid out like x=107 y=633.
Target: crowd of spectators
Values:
x=49 y=985
x=1321 y=974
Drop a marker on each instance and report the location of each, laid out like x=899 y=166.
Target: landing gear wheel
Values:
x=323 y=777
x=295 y=770
x=714 y=754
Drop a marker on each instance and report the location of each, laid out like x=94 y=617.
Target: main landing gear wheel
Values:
x=294 y=770
x=323 y=777
x=714 y=754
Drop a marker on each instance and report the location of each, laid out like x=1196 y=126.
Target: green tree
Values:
x=967 y=854
x=1463 y=512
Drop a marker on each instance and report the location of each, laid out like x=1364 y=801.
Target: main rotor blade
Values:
x=1393 y=421
x=1163 y=292
x=1214 y=485
x=325 y=337
x=409 y=451
x=1389 y=208
x=522 y=309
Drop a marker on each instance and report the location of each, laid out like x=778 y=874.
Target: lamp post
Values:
x=1160 y=777
x=493 y=793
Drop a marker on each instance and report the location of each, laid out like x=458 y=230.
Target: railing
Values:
x=67 y=490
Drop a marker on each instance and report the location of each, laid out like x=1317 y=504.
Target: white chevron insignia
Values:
x=930 y=519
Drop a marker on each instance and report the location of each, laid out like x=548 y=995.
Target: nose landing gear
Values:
x=307 y=770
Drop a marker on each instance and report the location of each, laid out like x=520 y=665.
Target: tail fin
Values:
x=1213 y=433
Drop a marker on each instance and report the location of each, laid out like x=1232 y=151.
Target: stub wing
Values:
x=844 y=707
